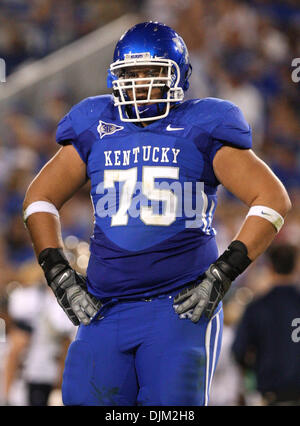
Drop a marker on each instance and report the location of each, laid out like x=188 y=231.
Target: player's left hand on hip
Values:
x=203 y=296
x=206 y=293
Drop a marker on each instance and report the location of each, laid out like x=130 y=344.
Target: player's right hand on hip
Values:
x=71 y=292
x=69 y=287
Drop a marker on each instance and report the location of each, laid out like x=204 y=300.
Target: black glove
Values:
x=204 y=295
x=68 y=286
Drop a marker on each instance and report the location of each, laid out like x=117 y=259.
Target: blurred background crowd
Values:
x=240 y=50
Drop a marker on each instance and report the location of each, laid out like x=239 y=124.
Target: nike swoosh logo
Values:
x=218 y=275
x=267 y=214
x=170 y=129
x=66 y=274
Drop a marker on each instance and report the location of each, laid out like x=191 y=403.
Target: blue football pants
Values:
x=142 y=353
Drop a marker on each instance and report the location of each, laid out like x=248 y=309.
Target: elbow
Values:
x=29 y=198
x=281 y=202
x=34 y=194
x=26 y=201
x=286 y=204
x=276 y=198
x=30 y=195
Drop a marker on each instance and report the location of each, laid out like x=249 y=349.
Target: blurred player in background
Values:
x=150 y=308
x=227 y=386
x=264 y=341
x=38 y=340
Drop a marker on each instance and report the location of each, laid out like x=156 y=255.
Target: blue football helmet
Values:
x=150 y=70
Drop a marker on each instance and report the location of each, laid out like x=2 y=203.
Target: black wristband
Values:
x=53 y=261
x=234 y=260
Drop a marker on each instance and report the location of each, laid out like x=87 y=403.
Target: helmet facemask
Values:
x=149 y=97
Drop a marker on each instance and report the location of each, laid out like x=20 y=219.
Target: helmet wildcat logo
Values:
x=107 y=128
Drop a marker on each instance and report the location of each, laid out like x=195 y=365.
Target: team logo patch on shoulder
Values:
x=107 y=128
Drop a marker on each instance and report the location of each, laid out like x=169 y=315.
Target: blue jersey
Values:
x=153 y=190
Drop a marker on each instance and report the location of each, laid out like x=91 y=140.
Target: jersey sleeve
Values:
x=233 y=130
x=66 y=135
x=72 y=128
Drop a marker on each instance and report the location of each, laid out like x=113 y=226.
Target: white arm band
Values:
x=40 y=207
x=269 y=214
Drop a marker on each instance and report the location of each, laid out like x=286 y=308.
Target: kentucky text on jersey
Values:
x=144 y=247
x=156 y=154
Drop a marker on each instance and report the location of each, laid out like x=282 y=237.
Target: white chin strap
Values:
x=121 y=86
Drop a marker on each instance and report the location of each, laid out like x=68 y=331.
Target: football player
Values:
x=150 y=306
